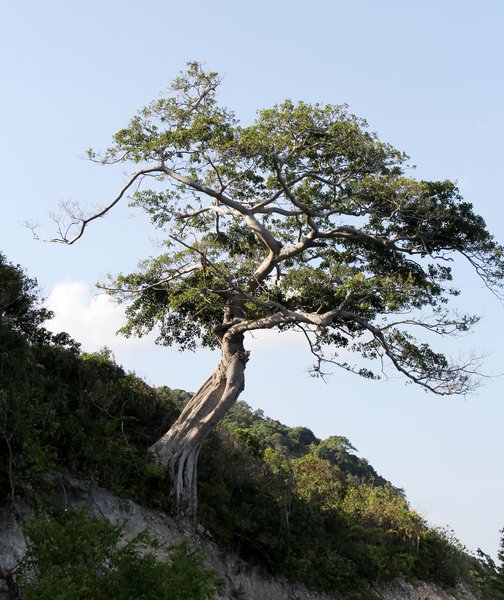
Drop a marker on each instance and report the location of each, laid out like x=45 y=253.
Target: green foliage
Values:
x=318 y=483
x=491 y=575
x=71 y=557
x=260 y=433
x=30 y=360
x=309 y=518
x=62 y=410
x=442 y=558
x=303 y=218
x=308 y=508
x=339 y=451
x=268 y=432
x=19 y=302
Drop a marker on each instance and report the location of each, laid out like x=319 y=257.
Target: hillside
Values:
x=300 y=508
x=240 y=580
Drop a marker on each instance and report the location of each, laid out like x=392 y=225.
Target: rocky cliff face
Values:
x=243 y=581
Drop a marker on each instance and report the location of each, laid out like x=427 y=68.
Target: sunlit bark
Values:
x=179 y=448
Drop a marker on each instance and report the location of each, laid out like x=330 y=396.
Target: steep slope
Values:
x=243 y=580
x=305 y=509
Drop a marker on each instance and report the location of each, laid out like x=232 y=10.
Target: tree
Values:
x=491 y=577
x=20 y=309
x=303 y=220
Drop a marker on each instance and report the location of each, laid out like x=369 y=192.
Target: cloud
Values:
x=91 y=319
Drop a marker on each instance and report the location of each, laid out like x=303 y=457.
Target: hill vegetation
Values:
x=310 y=509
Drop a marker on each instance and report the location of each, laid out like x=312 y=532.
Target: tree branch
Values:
x=84 y=222
x=259 y=230
x=157 y=284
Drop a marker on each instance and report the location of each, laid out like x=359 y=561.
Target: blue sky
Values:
x=428 y=78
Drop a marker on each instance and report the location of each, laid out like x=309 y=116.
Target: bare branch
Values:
x=84 y=222
x=212 y=208
x=177 y=274
x=486 y=275
x=454 y=379
x=288 y=192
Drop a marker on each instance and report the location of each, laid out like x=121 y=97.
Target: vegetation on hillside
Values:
x=491 y=578
x=307 y=508
x=71 y=557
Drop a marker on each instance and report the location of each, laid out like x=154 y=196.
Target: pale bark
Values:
x=179 y=448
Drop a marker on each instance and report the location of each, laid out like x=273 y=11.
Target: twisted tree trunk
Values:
x=179 y=448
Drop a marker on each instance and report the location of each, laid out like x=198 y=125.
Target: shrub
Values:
x=71 y=557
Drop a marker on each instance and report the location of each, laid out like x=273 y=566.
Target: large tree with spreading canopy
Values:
x=303 y=220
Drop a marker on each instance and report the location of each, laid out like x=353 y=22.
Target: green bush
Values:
x=71 y=557
x=490 y=575
x=441 y=558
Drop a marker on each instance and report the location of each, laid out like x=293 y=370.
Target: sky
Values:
x=426 y=75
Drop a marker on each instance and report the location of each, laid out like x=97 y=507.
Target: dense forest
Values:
x=310 y=509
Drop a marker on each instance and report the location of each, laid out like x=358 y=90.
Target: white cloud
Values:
x=91 y=319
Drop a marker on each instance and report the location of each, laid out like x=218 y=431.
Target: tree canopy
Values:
x=305 y=218
x=20 y=308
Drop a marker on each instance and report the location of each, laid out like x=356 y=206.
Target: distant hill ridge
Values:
x=300 y=441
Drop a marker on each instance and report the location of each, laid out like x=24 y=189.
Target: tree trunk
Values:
x=179 y=448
